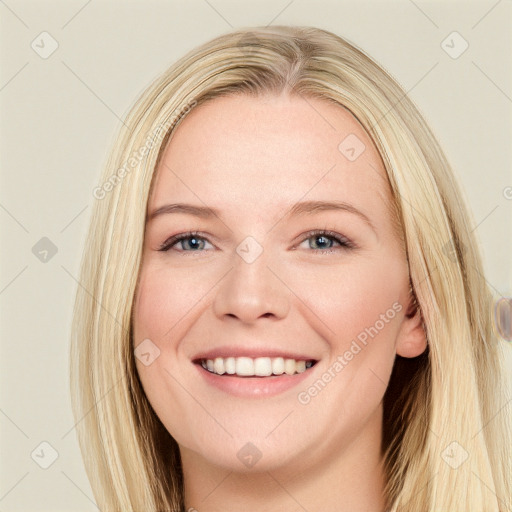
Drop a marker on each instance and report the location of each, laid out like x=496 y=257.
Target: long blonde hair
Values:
x=446 y=434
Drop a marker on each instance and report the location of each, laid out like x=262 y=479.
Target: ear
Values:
x=412 y=339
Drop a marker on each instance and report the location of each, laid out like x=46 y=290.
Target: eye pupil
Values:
x=193 y=240
x=321 y=237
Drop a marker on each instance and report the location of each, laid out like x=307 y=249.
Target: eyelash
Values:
x=345 y=243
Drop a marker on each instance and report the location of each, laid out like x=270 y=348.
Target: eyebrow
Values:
x=299 y=209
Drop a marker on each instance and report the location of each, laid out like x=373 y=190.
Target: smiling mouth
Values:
x=255 y=367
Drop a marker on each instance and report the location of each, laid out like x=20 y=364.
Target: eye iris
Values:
x=320 y=237
x=192 y=239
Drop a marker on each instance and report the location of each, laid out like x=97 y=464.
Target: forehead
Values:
x=267 y=153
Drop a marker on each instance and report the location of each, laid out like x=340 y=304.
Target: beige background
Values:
x=59 y=116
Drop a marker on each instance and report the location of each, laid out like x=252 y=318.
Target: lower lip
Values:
x=253 y=387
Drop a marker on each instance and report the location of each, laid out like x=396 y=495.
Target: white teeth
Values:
x=244 y=366
x=278 y=366
x=259 y=366
x=230 y=365
x=262 y=366
x=289 y=366
x=218 y=365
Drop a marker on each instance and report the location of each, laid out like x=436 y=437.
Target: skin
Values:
x=253 y=159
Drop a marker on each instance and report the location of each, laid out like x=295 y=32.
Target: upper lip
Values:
x=227 y=351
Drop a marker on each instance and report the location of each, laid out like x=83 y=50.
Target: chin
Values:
x=246 y=456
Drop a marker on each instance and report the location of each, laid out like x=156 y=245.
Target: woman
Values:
x=282 y=305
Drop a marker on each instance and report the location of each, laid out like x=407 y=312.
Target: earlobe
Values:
x=412 y=338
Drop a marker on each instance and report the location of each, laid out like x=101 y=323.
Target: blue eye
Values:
x=196 y=243
x=192 y=236
x=321 y=237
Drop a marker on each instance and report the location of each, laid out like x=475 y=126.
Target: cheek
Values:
x=351 y=299
x=164 y=302
x=358 y=312
x=160 y=316
x=163 y=311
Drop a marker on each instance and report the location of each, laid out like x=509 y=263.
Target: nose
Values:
x=251 y=290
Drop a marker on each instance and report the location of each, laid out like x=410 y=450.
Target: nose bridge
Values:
x=251 y=290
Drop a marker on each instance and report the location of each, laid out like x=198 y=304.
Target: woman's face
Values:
x=258 y=284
